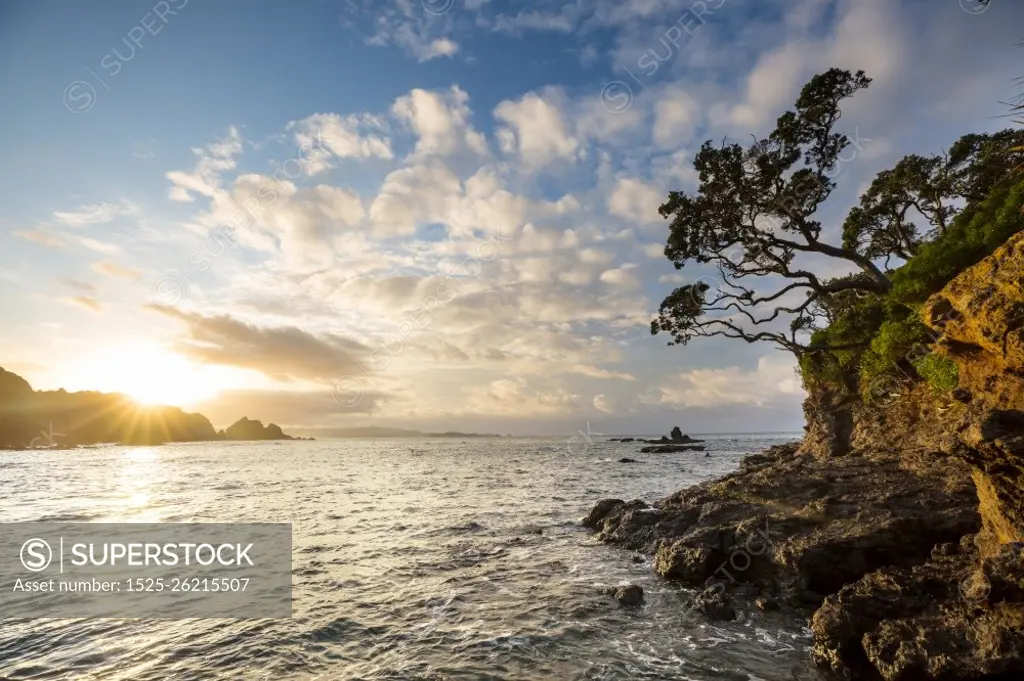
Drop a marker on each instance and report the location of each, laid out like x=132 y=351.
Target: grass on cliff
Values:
x=893 y=339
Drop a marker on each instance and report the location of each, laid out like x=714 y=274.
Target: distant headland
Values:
x=57 y=419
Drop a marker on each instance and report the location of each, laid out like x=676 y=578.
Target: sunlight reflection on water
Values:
x=412 y=560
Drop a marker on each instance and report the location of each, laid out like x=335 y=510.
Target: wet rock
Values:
x=671 y=449
x=715 y=604
x=766 y=604
x=628 y=460
x=629 y=595
x=678 y=560
x=600 y=511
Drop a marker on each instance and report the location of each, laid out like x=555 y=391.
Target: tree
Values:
x=752 y=215
x=934 y=188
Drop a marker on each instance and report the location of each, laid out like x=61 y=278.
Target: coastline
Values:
x=895 y=527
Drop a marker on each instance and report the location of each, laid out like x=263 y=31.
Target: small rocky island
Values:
x=677 y=442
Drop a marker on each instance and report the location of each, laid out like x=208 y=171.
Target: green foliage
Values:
x=976 y=232
x=896 y=340
x=894 y=345
x=939 y=371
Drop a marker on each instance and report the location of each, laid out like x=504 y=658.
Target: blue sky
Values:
x=489 y=170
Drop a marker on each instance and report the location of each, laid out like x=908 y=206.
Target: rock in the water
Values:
x=671 y=449
x=626 y=459
x=715 y=604
x=600 y=511
x=627 y=595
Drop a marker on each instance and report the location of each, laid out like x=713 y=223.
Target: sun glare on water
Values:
x=149 y=374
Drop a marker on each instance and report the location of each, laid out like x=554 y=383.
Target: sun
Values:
x=149 y=374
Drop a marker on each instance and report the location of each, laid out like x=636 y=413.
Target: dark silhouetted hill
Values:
x=31 y=418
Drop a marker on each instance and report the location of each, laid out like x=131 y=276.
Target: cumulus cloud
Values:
x=535 y=129
x=441 y=120
x=414 y=195
x=637 y=201
x=324 y=136
x=676 y=117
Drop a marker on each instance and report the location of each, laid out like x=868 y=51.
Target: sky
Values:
x=437 y=214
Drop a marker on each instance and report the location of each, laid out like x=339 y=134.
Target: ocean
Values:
x=428 y=559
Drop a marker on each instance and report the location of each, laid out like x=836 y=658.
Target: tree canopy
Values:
x=753 y=218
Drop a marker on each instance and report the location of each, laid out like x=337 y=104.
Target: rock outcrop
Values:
x=908 y=553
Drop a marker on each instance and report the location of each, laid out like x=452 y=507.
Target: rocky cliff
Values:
x=896 y=525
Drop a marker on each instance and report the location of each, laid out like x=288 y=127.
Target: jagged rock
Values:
x=944 y=619
x=630 y=595
x=600 y=512
x=715 y=604
x=798 y=526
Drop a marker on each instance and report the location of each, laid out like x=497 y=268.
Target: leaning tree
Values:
x=753 y=214
x=753 y=220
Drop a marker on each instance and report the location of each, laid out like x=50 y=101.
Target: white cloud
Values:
x=637 y=201
x=415 y=195
x=622 y=277
x=204 y=179
x=93 y=214
x=774 y=379
x=439 y=47
x=441 y=120
x=676 y=117
x=535 y=129
x=355 y=136
x=656 y=251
